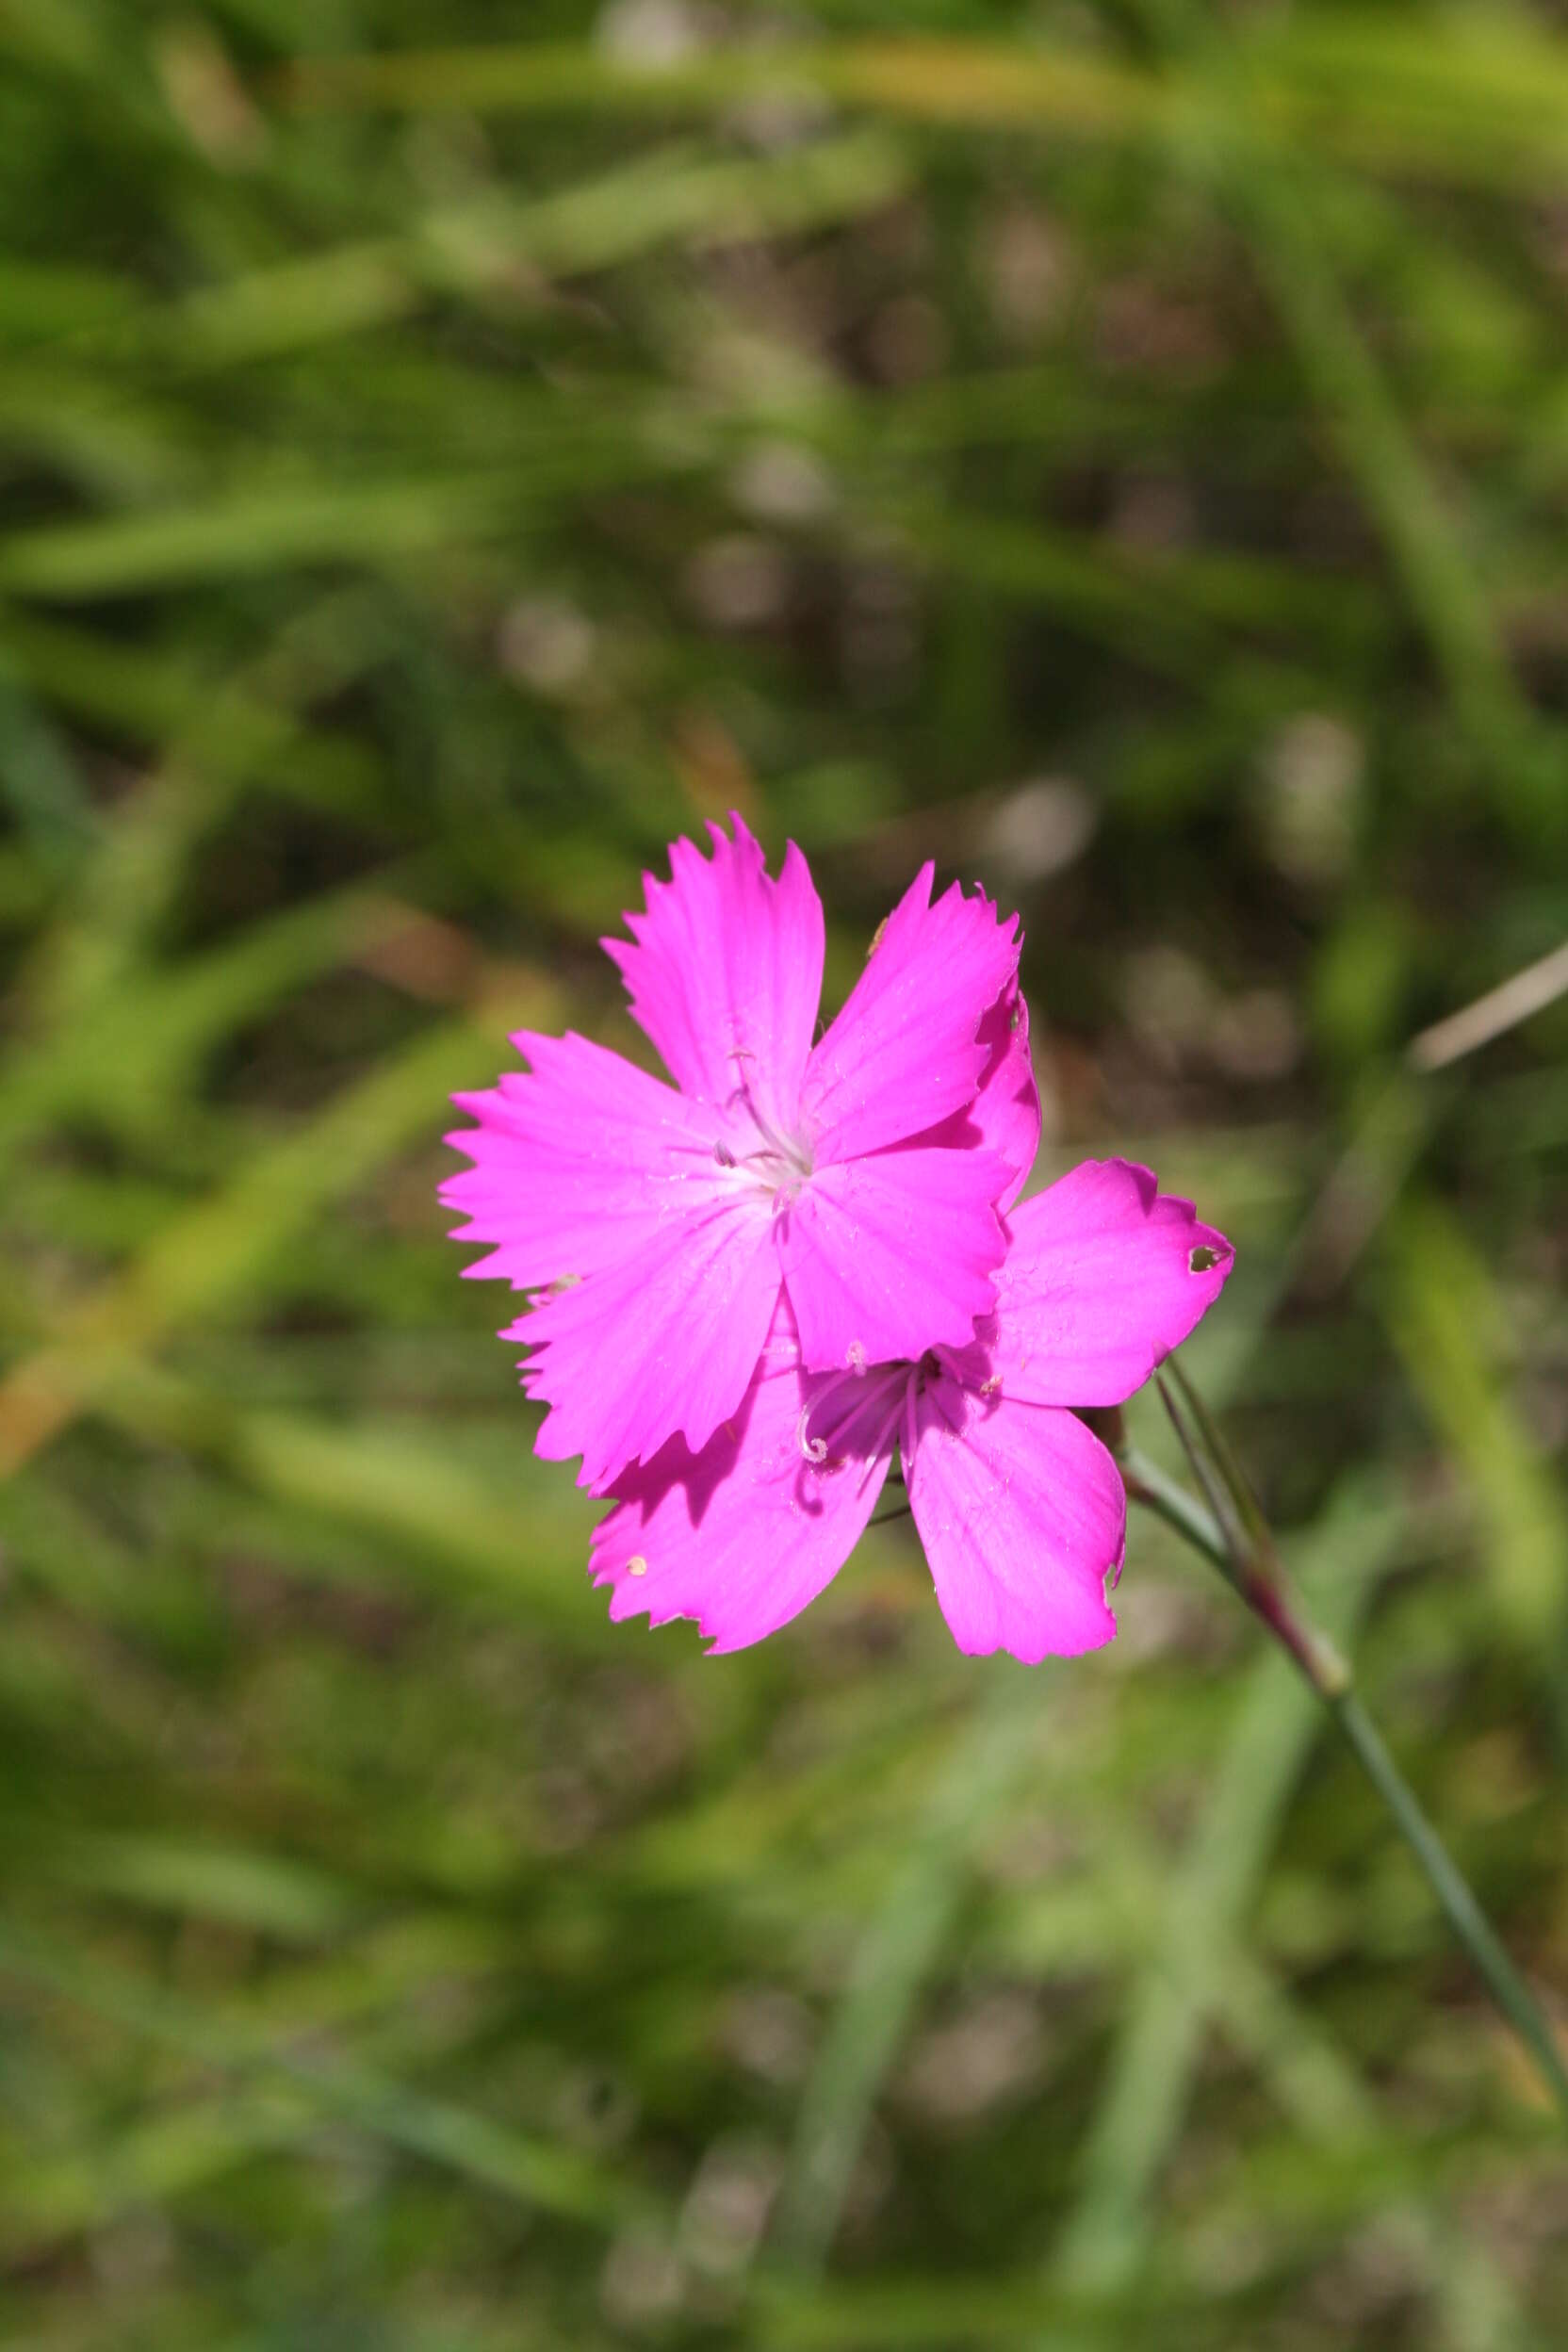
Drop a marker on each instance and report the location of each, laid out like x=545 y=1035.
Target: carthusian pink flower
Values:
x=858 y=1179
x=1019 y=1507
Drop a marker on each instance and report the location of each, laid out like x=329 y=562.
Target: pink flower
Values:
x=1021 y=1509
x=864 y=1174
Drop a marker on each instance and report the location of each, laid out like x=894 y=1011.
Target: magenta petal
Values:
x=575 y=1163
x=659 y=1346
x=1005 y=1115
x=725 y=971
x=1007 y=1109
x=1023 y=1515
x=905 y=1053
x=1104 y=1275
x=743 y=1535
x=891 y=1255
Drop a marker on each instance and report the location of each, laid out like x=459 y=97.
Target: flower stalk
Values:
x=1230 y=1530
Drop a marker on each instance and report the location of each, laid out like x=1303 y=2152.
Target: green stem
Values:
x=1198 y=1526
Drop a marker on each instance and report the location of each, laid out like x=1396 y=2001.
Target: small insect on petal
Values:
x=636 y=1565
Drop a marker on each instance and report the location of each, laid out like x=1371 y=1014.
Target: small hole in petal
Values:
x=1202 y=1258
x=636 y=1565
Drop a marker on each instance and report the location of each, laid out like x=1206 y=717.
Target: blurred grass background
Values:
x=445 y=450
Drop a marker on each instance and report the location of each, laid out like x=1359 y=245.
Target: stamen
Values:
x=814 y=1448
x=879 y=1442
x=790 y=1153
x=818 y=1449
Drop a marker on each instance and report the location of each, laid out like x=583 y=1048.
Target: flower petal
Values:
x=743 y=1535
x=577 y=1162
x=725 y=971
x=904 y=1051
x=1023 y=1515
x=1104 y=1275
x=892 y=1254
x=1007 y=1109
x=660 y=1345
x=1005 y=1115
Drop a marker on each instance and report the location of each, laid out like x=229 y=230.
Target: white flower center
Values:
x=765 y=1157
